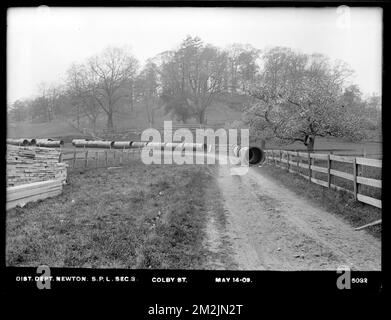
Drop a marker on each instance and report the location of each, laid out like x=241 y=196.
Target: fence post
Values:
x=120 y=157
x=106 y=158
x=288 y=158
x=74 y=159
x=280 y=158
x=298 y=161
x=97 y=158
x=328 y=171
x=60 y=158
x=114 y=158
x=86 y=159
x=355 y=178
x=274 y=160
x=309 y=166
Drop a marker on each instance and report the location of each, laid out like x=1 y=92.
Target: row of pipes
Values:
x=252 y=155
x=36 y=142
x=81 y=143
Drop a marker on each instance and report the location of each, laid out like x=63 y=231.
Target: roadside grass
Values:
x=136 y=216
x=339 y=203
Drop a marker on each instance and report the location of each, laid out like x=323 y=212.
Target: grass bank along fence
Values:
x=358 y=176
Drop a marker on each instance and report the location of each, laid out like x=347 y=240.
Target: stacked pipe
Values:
x=138 y=144
x=81 y=143
x=22 y=142
x=49 y=143
x=122 y=144
x=176 y=146
x=250 y=155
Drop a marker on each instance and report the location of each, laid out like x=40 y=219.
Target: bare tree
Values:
x=241 y=67
x=82 y=88
x=147 y=90
x=194 y=73
x=111 y=72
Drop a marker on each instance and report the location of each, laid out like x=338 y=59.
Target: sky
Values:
x=42 y=42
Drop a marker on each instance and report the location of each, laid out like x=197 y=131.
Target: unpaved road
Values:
x=269 y=227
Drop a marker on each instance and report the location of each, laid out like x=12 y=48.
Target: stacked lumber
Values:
x=33 y=164
x=20 y=195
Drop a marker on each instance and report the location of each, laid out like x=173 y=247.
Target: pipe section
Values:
x=250 y=155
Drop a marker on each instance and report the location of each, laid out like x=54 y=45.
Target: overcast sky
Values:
x=43 y=42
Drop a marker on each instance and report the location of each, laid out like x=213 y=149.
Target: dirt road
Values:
x=269 y=227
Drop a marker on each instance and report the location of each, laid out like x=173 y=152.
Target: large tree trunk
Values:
x=78 y=116
x=110 y=124
x=93 y=123
x=310 y=143
x=201 y=117
x=184 y=120
x=263 y=143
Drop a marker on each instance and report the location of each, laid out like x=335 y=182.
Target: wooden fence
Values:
x=293 y=161
x=98 y=158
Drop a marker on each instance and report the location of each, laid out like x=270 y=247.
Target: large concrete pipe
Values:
x=18 y=142
x=251 y=155
x=49 y=143
x=138 y=144
x=78 y=142
x=195 y=146
x=156 y=145
x=99 y=144
x=177 y=146
x=122 y=144
x=173 y=146
x=32 y=142
x=81 y=143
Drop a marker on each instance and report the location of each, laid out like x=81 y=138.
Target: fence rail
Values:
x=98 y=158
x=293 y=161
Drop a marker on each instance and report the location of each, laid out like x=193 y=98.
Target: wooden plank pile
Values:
x=22 y=194
x=33 y=164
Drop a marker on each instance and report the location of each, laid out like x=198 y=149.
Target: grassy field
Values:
x=340 y=203
x=133 y=217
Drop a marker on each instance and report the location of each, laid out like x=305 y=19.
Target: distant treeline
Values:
x=291 y=96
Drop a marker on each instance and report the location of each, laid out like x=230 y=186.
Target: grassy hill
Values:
x=217 y=113
x=52 y=129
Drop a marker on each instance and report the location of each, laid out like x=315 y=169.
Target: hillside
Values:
x=217 y=113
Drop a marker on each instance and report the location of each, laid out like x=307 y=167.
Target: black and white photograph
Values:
x=194 y=138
